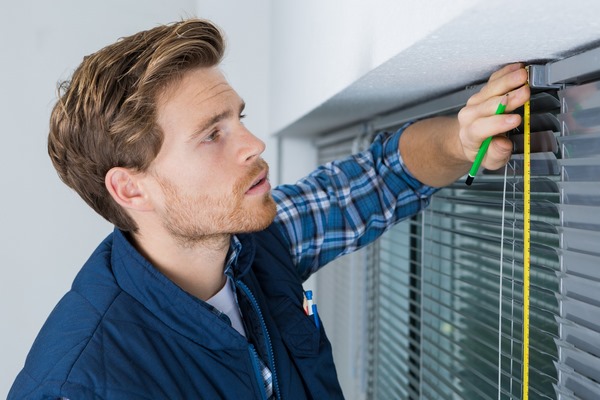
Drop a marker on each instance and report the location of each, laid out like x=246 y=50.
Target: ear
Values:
x=126 y=189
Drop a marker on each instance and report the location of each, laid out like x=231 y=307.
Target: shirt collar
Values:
x=240 y=256
x=235 y=248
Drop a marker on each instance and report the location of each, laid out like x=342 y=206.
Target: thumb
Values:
x=498 y=153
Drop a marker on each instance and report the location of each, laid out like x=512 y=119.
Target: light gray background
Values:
x=306 y=63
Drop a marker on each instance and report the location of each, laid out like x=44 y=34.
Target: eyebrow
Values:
x=214 y=119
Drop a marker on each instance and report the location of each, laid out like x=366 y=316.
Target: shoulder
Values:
x=273 y=263
x=274 y=242
x=70 y=327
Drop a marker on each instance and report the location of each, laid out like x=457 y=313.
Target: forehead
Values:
x=199 y=84
x=200 y=93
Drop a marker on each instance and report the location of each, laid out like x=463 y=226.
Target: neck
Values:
x=198 y=268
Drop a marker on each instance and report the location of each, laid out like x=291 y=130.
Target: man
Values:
x=198 y=291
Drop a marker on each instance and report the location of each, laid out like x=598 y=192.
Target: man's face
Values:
x=208 y=177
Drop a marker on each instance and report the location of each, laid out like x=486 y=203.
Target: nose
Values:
x=250 y=147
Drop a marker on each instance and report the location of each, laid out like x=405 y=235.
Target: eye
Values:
x=212 y=137
x=242 y=116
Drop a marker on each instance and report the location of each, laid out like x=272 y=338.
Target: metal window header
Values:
x=576 y=68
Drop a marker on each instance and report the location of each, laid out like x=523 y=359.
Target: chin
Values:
x=259 y=218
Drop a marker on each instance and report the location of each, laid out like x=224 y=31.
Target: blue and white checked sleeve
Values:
x=346 y=204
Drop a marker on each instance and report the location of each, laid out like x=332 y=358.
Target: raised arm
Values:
x=348 y=203
x=437 y=151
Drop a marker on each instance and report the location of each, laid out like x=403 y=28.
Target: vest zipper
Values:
x=271 y=360
x=257 y=371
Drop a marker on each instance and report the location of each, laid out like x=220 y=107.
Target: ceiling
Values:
x=464 y=51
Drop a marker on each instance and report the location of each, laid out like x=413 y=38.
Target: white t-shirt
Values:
x=225 y=302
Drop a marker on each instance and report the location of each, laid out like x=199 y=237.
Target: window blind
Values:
x=454 y=330
x=395 y=314
x=342 y=287
x=579 y=319
x=443 y=291
x=472 y=292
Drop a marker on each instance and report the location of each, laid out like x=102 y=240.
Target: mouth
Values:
x=260 y=184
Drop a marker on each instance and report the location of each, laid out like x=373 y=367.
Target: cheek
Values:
x=205 y=174
x=212 y=183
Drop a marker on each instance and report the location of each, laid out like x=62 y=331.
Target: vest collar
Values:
x=184 y=313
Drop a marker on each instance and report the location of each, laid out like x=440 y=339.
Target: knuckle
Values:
x=464 y=115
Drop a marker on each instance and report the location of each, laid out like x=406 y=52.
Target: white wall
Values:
x=320 y=47
x=47 y=231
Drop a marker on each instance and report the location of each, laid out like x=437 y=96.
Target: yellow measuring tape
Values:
x=526 y=243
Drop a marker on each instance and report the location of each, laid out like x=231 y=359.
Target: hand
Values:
x=439 y=150
x=477 y=120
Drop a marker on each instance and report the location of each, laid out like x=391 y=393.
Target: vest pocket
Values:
x=298 y=330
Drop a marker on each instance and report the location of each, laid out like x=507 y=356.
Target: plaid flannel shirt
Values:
x=347 y=204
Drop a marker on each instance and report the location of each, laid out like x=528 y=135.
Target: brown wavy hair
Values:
x=105 y=116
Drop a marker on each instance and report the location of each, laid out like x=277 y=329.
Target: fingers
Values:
x=505 y=70
x=474 y=111
x=475 y=131
x=493 y=125
x=506 y=80
x=478 y=119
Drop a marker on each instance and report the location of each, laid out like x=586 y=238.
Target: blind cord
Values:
x=500 y=284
